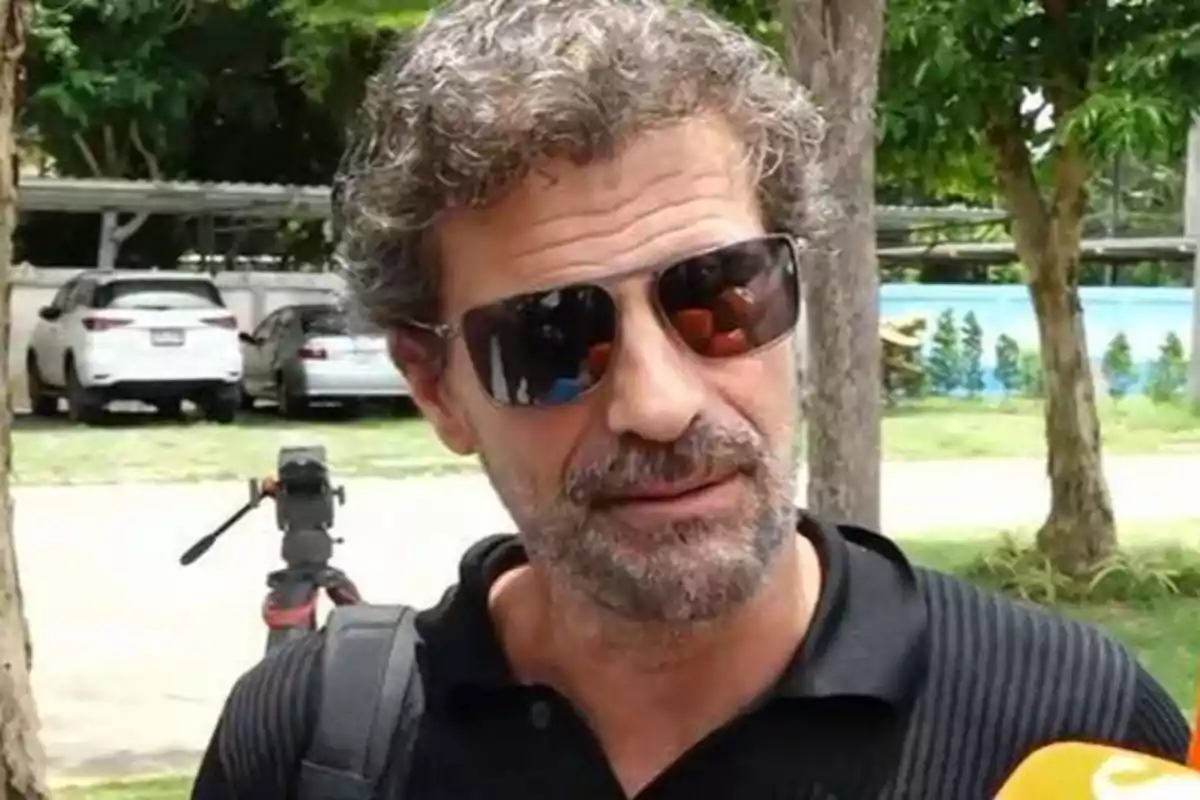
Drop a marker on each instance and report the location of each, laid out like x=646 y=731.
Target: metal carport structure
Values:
x=111 y=198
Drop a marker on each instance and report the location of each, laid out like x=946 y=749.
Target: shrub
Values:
x=903 y=363
x=1008 y=367
x=944 y=364
x=1168 y=374
x=1117 y=367
x=1029 y=375
x=1019 y=569
x=972 y=355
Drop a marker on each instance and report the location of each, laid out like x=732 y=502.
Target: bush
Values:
x=1168 y=374
x=1008 y=366
x=972 y=355
x=944 y=364
x=903 y=364
x=1117 y=367
x=1029 y=375
x=1019 y=569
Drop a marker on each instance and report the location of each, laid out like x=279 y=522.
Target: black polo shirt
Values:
x=910 y=684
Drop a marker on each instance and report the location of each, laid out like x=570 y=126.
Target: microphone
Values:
x=1079 y=771
x=1193 y=756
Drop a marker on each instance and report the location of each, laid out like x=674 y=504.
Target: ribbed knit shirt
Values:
x=909 y=684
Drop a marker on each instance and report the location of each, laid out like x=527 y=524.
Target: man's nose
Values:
x=656 y=390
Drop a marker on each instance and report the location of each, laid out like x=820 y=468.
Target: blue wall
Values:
x=1144 y=315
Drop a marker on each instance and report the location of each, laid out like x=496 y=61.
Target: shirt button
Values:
x=539 y=714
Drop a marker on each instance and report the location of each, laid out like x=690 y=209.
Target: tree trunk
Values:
x=22 y=761
x=1079 y=530
x=833 y=49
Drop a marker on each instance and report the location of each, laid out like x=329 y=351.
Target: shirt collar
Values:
x=867 y=638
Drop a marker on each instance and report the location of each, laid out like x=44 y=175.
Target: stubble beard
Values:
x=690 y=571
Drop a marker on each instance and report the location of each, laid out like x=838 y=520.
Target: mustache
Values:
x=704 y=449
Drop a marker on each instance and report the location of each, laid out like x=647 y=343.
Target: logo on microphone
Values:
x=1126 y=776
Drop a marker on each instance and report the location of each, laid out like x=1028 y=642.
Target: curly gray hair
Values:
x=486 y=90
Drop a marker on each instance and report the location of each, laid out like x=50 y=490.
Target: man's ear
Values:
x=421 y=356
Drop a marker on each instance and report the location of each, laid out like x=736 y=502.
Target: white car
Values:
x=157 y=337
x=305 y=354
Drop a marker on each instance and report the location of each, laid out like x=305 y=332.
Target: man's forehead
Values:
x=669 y=193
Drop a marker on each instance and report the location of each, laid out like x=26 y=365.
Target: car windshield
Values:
x=326 y=322
x=158 y=295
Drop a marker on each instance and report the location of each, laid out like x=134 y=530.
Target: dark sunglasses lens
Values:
x=542 y=348
x=733 y=300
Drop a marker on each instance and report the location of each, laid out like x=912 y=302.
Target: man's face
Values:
x=599 y=487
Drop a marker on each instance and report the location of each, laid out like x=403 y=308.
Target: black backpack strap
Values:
x=369 y=689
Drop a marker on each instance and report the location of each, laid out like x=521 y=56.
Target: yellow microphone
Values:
x=1078 y=771
x=1193 y=757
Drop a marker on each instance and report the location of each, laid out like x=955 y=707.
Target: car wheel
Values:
x=171 y=407
x=245 y=399
x=292 y=404
x=405 y=407
x=42 y=403
x=84 y=405
x=222 y=405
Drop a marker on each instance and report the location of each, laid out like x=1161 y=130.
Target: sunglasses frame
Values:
x=448 y=331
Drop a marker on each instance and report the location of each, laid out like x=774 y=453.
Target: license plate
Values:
x=166 y=337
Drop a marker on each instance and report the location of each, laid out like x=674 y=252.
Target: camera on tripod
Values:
x=304 y=505
x=304 y=496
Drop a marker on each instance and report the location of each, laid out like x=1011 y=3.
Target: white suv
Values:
x=157 y=337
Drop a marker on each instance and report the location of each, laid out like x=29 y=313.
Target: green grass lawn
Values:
x=173 y=788
x=1166 y=636
x=948 y=429
x=138 y=447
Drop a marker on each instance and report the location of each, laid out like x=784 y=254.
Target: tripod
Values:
x=290 y=607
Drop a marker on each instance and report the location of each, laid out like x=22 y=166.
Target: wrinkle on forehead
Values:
x=671 y=192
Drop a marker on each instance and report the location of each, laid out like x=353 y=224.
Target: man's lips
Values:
x=651 y=506
x=663 y=491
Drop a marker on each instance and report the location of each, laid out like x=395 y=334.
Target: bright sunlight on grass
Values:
x=951 y=429
x=134 y=447
x=141 y=448
x=173 y=788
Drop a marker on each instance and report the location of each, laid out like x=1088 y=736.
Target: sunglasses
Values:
x=551 y=347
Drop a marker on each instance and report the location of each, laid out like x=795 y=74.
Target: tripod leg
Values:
x=340 y=588
x=290 y=609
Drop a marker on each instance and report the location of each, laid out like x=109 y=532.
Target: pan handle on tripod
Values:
x=201 y=547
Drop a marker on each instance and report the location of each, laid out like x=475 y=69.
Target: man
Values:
x=597 y=176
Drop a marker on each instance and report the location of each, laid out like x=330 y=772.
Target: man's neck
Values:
x=649 y=686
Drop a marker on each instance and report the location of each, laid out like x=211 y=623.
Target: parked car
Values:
x=305 y=354
x=159 y=338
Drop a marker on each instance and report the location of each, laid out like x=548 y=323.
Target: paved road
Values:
x=134 y=654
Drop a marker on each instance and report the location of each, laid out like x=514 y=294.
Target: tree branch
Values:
x=1018 y=183
x=134 y=223
x=1071 y=171
x=110 y=151
x=1065 y=88
x=88 y=155
x=1056 y=9
x=130 y=227
x=135 y=136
